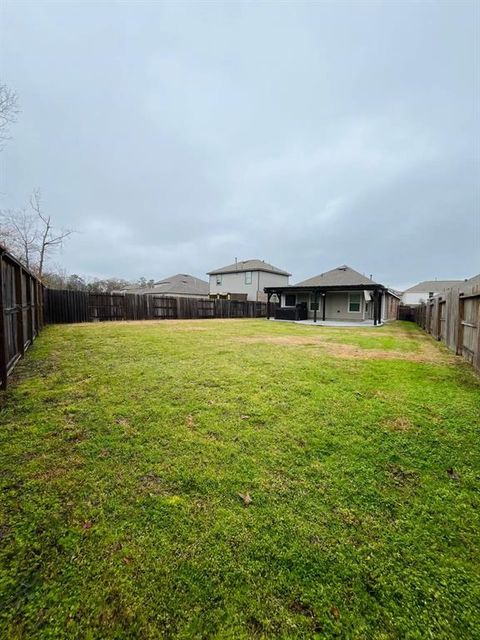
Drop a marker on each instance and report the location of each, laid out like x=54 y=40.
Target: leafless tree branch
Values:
x=30 y=235
x=9 y=109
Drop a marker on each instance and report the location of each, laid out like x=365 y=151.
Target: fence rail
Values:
x=79 y=306
x=454 y=318
x=21 y=312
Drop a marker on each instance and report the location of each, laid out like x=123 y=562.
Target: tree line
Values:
x=73 y=282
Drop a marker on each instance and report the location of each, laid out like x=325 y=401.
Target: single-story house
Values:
x=246 y=280
x=341 y=294
x=180 y=285
x=422 y=291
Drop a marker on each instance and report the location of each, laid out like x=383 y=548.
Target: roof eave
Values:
x=220 y=271
x=339 y=287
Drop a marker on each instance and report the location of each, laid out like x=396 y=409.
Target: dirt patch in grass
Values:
x=286 y=340
x=153 y=484
x=428 y=352
x=399 y=424
x=403 y=477
x=300 y=608
x=56 y=472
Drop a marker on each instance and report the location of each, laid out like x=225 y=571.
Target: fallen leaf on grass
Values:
x=246 y=497
x=244 y=417
x=88 y=524
x=453 y=474
x=335 y=613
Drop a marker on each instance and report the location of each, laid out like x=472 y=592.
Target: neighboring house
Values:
x=472 y=282
x=246 y=280
x=422 y=291
x=339 y=294
x=180 y=285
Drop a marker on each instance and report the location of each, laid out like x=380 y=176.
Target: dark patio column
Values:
x=314 y=306
x=269 y=295
x=324 y=295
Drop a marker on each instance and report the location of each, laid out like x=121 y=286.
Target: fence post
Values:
x=19 y=310
x=3 y=332
x=476 y=357
x=460 y=327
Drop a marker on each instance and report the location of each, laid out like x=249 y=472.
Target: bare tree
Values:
x=49 y=238
x=30 y=235
x=9 y=109
x=20 y=234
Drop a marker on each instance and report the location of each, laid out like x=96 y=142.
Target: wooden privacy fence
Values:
x=21 y=312
x=80 y=306
x=454 y=318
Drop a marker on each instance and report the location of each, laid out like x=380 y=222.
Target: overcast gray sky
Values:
x=177 y=136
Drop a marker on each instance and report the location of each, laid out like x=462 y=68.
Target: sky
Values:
x=175 y=137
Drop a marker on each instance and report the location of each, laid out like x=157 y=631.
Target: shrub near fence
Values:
x=79 y=306
x=21 y=312
x=454 y=318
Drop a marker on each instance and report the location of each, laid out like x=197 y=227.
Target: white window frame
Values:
x=355 y=293
x=248 y=277
x=218 y=279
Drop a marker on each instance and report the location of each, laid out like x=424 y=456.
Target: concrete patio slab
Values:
x=333 y=323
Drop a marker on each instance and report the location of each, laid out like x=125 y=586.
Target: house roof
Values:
x=433 y=285
x=472 y=282
x=394 y=292
x=181 y=283
x=249 y=265
x=340 y=276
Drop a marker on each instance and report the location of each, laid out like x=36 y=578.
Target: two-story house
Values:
x=422 y=291
x=246 y=280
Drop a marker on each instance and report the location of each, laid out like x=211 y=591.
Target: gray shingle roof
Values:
x=343 y=275
x=249 y=265
x=181 y=283
x=433 y=285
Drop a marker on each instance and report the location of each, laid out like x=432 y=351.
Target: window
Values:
x=248 y=277
x=218 y=278
x=354 y=302
x=290 y=299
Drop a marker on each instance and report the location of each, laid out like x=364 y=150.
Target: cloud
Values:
x=176 y=139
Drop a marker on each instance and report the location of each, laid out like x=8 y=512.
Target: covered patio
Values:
x=342 y=305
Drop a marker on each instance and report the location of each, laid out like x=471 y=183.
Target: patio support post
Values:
x=269 y=295
x=324 y=302
x=315 y=306
x=376 y=308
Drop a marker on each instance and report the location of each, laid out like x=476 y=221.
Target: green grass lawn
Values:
x=124 y=448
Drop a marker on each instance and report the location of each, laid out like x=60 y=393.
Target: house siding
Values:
x=416 y=298
x=390 y=307
x=336 y=305
x=235 y=283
